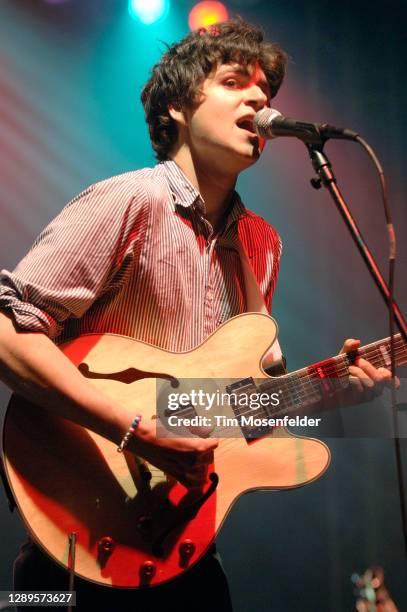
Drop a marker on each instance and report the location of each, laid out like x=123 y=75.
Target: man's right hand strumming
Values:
x=186 y=459
x=34 y=367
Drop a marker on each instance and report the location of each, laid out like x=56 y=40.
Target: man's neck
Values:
x=216 y=188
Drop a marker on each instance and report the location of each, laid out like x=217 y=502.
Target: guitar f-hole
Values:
x=128 y=376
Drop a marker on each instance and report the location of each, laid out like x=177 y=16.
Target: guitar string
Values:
x=290 y=382
x=313 y=394
x=286 y=409
x=335 y=366
x=303 y=380
x=337 y=370
x=401 y=350
x=312 y=380
x=226 y=444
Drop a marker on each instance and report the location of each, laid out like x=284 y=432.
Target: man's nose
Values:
x=256 y=97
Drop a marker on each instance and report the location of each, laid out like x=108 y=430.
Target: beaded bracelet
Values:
x=129 y=433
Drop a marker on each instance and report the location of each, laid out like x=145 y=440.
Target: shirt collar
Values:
x=185 y=194
x=237 y=209
x=183 y=191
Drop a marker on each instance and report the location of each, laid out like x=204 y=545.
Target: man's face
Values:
x=219 y=129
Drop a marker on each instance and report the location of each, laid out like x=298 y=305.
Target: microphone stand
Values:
x=327 y=178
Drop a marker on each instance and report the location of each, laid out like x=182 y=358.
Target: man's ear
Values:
x=177 y=114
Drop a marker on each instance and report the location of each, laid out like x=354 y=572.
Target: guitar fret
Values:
x=386 y=355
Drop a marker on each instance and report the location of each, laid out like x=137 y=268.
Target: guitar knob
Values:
x=105 y=548
x=106 y=545
x=186 y=550
x=187 y=547
x=147 y=572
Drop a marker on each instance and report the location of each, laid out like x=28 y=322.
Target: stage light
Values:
x=205 y=14
x=149 y=11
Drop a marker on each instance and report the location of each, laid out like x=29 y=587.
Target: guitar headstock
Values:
x=371 y=592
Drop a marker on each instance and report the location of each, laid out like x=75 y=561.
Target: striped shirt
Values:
x=134 y=255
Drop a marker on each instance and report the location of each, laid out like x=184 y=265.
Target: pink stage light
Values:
x=205 y=14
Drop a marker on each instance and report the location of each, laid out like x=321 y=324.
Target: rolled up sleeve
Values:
x=26 y=316
x=75 y=258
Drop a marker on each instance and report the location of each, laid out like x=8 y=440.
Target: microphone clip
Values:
x=316 y=183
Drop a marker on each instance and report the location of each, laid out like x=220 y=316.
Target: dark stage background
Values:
x=70 y=78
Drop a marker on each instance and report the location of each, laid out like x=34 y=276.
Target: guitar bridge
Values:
x=247 y=387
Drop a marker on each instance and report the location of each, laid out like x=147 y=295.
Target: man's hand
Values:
x=366 y=381
x=186 y=459
x=36 y=369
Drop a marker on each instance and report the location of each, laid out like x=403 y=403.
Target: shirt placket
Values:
x=209 y=309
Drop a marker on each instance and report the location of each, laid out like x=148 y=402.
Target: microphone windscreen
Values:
x=262 y=120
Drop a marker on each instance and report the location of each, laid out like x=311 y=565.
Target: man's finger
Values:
x=356 y=383
x=360 y=375
x=379 y=375
x=351 y=344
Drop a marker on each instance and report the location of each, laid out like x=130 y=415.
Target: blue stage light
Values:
x=149 y=11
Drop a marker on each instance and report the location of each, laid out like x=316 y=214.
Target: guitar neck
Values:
x=306 y=388
x=378 y=353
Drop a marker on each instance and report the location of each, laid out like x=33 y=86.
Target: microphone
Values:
x=269 y=123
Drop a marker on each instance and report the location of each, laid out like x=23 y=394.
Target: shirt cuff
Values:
x=26 y=315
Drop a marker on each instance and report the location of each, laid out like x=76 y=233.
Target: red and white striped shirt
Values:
x=134 y=255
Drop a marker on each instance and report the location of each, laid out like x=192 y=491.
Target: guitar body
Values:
x=131 y=532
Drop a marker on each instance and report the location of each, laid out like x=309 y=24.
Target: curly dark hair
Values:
x=177 y=77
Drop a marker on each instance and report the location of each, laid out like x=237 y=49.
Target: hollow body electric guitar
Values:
x=131 y=524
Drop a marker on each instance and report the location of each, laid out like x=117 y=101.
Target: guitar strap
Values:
x=255 y=301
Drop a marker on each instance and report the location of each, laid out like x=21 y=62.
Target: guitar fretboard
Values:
x=302 y=389
x=305 y=391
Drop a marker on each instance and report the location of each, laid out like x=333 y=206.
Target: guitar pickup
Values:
x=245 y=384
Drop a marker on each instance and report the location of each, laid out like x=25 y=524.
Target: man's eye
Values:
x=231 y=83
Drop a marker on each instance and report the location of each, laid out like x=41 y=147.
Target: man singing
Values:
x=149 y=254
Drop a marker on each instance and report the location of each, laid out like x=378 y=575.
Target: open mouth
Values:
x=247 y=125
